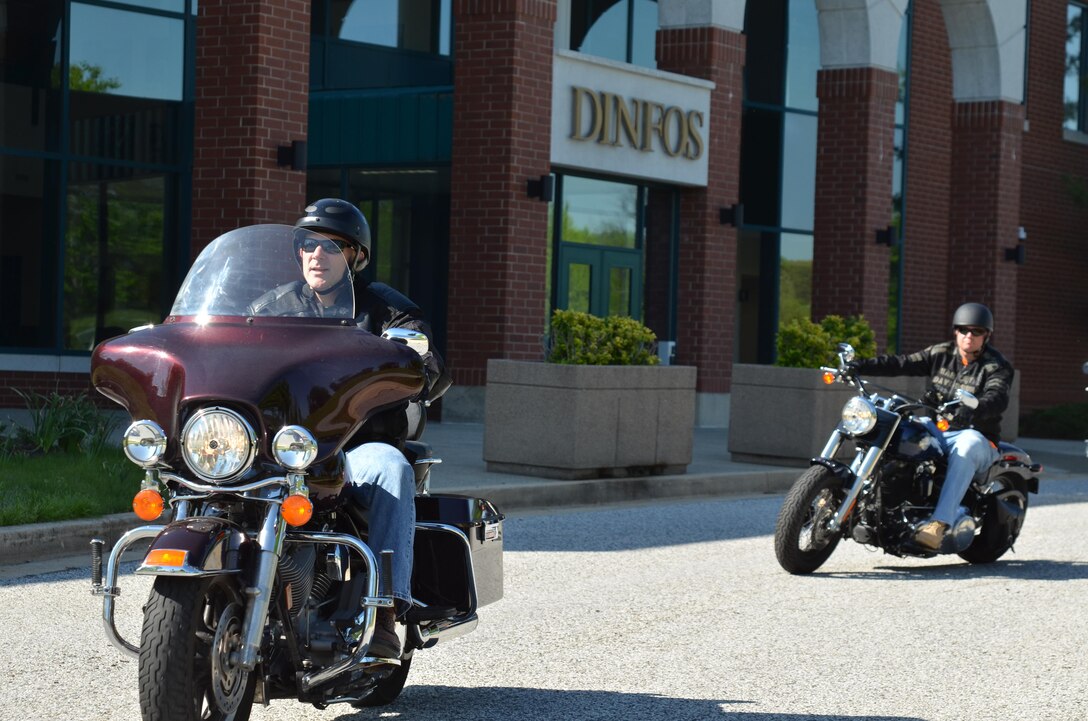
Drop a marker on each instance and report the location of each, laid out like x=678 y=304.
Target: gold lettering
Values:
x=595 y=115
x=665 y=131
x=695 y=121
x=624 y=121
x=654 y=120
x=606 y=136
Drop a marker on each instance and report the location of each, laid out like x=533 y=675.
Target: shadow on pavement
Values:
x=1008 y=567
x=490 y=703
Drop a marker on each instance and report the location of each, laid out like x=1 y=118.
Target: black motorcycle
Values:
x=893 y=483
x=264 y=586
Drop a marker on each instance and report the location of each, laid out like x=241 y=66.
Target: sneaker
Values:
x=386 y=642
x=930 y=534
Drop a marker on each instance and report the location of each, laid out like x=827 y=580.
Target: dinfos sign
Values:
x=613 y=118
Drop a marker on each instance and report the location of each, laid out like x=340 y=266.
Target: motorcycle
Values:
x=263 y=584
x=894 y=481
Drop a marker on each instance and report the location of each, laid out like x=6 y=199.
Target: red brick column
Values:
x=708 y=250
x=501 y=139
x=854 y=159
x=252 y=95
x=986 y=164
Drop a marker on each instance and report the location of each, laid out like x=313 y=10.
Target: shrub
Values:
x=804 y=344
x=59 y=423
x=1066 y=420
x=579 y=338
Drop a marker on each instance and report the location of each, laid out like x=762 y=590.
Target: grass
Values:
x=65 y=486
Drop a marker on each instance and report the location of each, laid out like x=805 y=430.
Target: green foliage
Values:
x=579 y=338
x=58 y=423
x=63 y=486
x=1066 y=420
x=804 y=344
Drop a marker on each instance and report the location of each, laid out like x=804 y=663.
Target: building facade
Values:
x=712 y=167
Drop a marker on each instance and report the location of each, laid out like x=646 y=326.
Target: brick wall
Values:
x=706 y=286
x=501 y=139
x=1051 y=339
x=925 y=317
x=853 y=194
x=44 y=383
x=252 y=90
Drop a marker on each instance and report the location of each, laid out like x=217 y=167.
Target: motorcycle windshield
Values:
x=268 y=270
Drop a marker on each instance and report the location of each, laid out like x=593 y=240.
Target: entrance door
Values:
x=599 y=259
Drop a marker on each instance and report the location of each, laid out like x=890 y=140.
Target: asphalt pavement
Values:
x=712 y=473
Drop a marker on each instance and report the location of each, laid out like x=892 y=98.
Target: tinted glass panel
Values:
x=644 y=33
x=795 y=278
x=113 y=274
x=28 y=251
x=1074 y=67
x=30 y=32
x=764 y=26
x=421 y=25
x=599 y=212
x=619 y=291
x=176 y=6
x=803 y=55
x=798 y=171
x=599 y=27
x=578 y=284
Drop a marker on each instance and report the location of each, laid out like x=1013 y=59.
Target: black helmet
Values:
x=341 y=217
x=973 y=314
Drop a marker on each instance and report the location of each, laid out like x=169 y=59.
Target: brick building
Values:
x=714 y=167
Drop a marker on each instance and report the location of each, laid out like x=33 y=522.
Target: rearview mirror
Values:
x=414 y=339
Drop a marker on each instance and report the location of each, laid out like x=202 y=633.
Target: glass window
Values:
x=798 y=171
x=619 y=291
x=422 y=25
x=795 y=278
x=599 y=212
x=803 y=55
x=621 y=30
x=28 y=251
x=1076 y=74
x=30 y=56
x=578 y=283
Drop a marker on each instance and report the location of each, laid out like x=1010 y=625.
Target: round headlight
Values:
x=144 y=443
x=217 y=444
x=294 y=447
x=858 y=416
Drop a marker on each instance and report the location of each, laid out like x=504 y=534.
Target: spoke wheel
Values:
x=802 y=541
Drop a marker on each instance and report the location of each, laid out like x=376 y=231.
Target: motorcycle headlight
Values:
x=218 y=444
x=294 y=447
x=144 y=443
x=858 y=416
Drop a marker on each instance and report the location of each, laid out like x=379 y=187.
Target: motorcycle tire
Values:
x=799 y=544
x=176 y=680
x=387 y=690
x=993 y=541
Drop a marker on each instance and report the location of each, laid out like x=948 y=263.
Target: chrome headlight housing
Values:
x=858 y=416
x=218 y=444
x=144 y=443
x=294 y=448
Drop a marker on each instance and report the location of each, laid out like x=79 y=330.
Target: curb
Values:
x=43 y=541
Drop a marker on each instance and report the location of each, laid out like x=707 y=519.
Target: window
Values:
x=421 y=25
x=1076 y=72
x=622 y=30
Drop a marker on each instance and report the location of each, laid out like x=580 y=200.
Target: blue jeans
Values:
x=380 y=480
x=969 y=454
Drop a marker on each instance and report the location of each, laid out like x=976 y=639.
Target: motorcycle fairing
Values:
x=211 y=545
x=320 y=374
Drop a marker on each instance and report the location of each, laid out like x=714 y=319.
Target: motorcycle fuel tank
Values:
x=916 y=442
x=328 y=376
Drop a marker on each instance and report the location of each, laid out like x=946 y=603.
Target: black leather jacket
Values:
x=378 y=307
x=989 y=378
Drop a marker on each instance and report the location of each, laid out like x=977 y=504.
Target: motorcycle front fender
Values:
x=837 y=468
x=197 y=546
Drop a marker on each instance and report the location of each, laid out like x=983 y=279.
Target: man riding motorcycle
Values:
x=966 y=362
x=332 y=246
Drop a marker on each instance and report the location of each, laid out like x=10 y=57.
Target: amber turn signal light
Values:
x=829 y=377
x=172 y=557
x=943 y=424
x=296 y=510
x=147 y=504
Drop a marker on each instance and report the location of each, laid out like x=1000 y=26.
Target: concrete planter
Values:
x=784 y=416
x=577 y=422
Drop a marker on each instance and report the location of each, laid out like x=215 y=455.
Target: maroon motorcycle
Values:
x=264 y=586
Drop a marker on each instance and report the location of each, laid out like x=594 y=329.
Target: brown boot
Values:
x=930 y=534
x=386 y=642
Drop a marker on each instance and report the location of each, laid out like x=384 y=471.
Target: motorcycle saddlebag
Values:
x=445 y=571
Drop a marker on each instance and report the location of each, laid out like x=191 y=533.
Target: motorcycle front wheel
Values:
x=192 y=630
x=802 y=541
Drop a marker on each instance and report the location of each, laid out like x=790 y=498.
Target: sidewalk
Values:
x=711 y=473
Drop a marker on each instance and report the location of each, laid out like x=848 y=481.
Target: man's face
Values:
x=323 y=262
x=970 y=339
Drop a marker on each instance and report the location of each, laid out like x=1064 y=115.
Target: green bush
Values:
x=1067 y=421
x=579 y=338
x=804 y=344
x=58 y=423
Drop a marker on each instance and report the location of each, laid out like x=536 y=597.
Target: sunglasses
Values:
x=311 y=243
x=976 y=332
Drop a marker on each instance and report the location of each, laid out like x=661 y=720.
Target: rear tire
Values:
x=185 y=669
x=993 y=541
x=802 y=541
